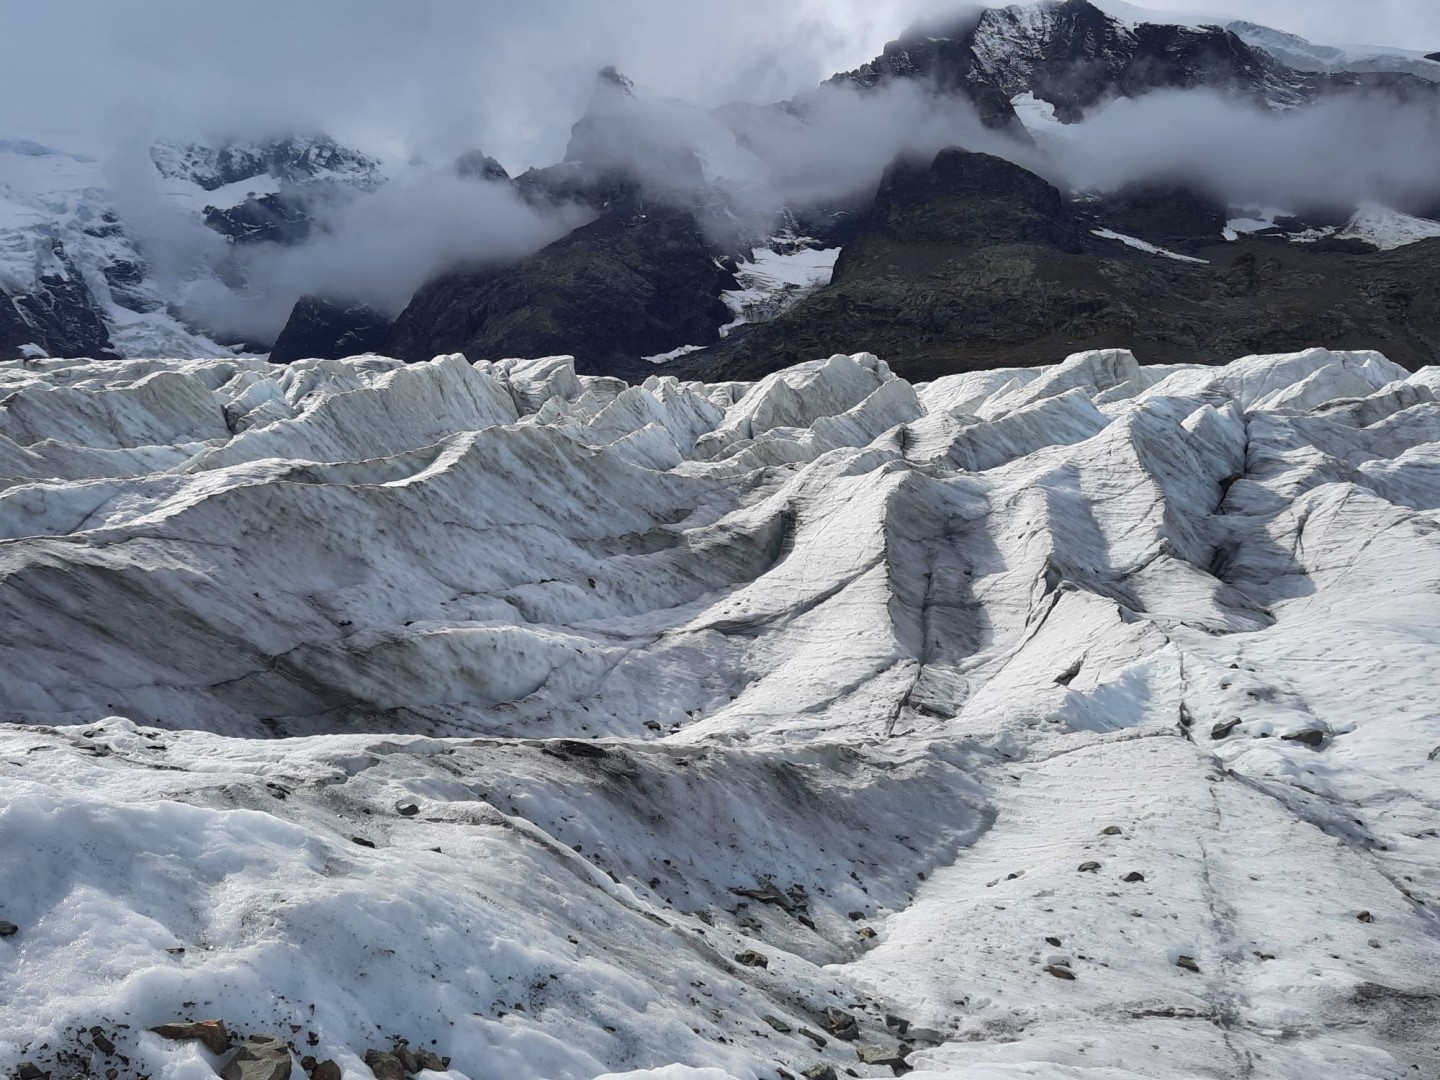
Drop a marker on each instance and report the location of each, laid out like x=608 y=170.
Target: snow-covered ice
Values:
x=773 y=281
x=1388 y=229
x=1145 y=246
x=1075 y=722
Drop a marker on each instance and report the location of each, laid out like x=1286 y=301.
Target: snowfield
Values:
x=1075 y=723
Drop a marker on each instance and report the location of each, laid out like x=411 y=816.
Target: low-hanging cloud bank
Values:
x=379 y=248
x=1342 y=151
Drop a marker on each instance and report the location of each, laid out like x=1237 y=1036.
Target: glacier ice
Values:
x=500 y=709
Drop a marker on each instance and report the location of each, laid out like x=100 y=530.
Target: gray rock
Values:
x=1060 y=971
x=210 y=1032
x=1188 y=963
x=407 y=1059
x=384 y=1065
x=1088 y=867
x=820 y=1072
x=1224 y=728
x=260 y=1057
x=841 y=1024
x=428 y=1059
x=779 y=1025
x=1133 y=877
x=326 y=1070
x=881 y=1055
x=751 y=958
x=8 y=929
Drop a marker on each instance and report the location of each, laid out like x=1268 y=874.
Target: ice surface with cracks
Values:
x=504 y=710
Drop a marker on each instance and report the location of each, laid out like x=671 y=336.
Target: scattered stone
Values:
x=766 y=894
x=307 y=1064
x=101 y=1041
x=8 y=929
x=856 y=916
x=384 y=1066
x=210 y=1032
x=866 y=932
x=880 y=1055
x=751 y=958
x=1188 y=963
x=260 y=1057
x=1224 y=728
x=428 y=1059
x=27 y=1070
x=326 y=1070
x=1133 y=877
x=1089 y=867
x=1265 y=955
x=1055 y=941
x=407 y=809
x=814 y=1036
x=899 y=1023
x=820 y=1072
x=779 y=1025
x=362 y=841
x=841 y=1024
x=1365 y=916
x=1110 y=830
x=1060 y=971
x=1308 y=737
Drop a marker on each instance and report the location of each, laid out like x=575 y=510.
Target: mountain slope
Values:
x=969 y=261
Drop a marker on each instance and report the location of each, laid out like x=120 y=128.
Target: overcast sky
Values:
x=434 y=77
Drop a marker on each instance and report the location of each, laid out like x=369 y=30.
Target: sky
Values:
x=432 y=78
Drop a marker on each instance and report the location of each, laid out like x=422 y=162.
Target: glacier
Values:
x=1073 y=722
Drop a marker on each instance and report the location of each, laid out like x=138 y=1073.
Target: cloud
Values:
x=1340 y=152
x=376 y=249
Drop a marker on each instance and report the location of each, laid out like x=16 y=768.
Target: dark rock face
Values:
x=974 y=263
x=478 y=166
x=59 y=315
x=961 y=199
x=1171 y=215
x=638 y=280
x=320 y=328
x=278 y=218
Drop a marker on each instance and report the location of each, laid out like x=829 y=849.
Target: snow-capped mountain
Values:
x=1071 y=722
x=73 y=237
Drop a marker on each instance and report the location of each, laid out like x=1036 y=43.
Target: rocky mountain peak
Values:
x=293 y=159
x=1074 y=55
